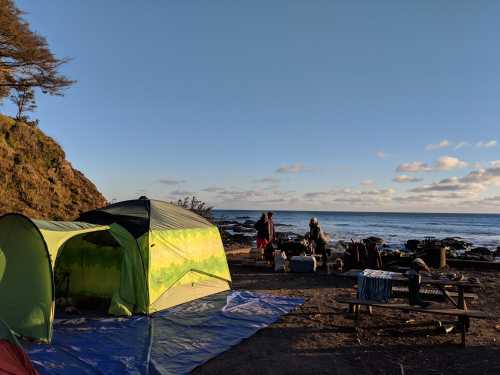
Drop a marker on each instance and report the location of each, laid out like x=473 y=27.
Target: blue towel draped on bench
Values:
x=375 y=285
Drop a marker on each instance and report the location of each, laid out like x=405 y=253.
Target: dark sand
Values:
x=319 y=338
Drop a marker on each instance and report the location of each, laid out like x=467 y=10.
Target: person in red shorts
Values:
x=262 y=227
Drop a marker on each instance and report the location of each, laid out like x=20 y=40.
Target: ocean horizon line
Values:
x=359 y=212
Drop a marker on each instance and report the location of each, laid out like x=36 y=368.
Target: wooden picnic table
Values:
x=461 y=308
x=441 y=284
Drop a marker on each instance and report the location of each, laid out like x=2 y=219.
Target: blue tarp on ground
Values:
x=174 y=341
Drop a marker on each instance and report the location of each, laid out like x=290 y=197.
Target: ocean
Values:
x=394 y=228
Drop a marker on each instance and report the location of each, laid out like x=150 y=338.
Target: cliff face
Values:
x=37 y=180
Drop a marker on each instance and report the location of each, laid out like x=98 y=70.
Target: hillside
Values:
x=36 y=179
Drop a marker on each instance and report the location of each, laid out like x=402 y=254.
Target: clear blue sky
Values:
x=324 y=100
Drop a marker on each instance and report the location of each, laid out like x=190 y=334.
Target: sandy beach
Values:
x=319 y=338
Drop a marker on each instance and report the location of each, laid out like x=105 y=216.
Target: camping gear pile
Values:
x=303 y=264
x=361 y=255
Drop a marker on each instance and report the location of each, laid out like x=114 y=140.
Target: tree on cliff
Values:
x=24 y=99
x=26 y=62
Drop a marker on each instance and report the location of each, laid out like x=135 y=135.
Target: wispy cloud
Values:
x=292 y=168
x=350 y=195
x=414 y=167
x=382 y=155
x=487 y=144
x=443 y=144
x=268 y=180
x=181 y=193
x=495 y=200
x=213 y=189
x=449 y=185
x=402 y=179
x=171 y=181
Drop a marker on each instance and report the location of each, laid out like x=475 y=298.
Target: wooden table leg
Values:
x=463 y=320
x=462 y=331
x=461 y=298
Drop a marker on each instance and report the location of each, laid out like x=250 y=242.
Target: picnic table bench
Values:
x=457 y=299
x=463 y=315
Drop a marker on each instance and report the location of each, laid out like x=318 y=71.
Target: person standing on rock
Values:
x=262 y=227
x=318 y=240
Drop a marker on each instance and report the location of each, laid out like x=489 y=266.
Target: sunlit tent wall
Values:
x=81 y=259
x=182 y=252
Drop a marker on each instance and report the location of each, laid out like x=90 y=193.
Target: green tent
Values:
x=183 y=255
x=140 y=256
x=89 y=261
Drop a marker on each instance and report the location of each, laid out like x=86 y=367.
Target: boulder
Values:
x=377 y=240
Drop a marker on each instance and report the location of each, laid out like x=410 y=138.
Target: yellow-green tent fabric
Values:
x=97 y=260
x=183 y=253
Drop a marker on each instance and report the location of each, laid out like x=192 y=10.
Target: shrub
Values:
x=197 y=206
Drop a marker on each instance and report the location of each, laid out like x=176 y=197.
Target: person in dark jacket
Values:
x=374 y=259
x=414 y=280
x=262 y=227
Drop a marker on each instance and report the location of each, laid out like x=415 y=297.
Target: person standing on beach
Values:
x=318 y=239
x=270 y=225
x=270 y=237
x=262 y=227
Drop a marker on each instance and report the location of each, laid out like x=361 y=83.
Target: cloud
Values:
x=484 y=176
x=292 y=168
x=181 y=193
x=317 y=195
x=444 y=163
x=382 y=155
x=170 y=181
x=495 y=200
x=431 y=197
x=443 y=144
x=268 y=180
x=452 y=184
x=447 y=163
x=367 y=183
x=458 y=145
x=212 y=189
x=402 y=179
x=350 y=195
x=487 y=144
x=414 y=167
x=246 y=195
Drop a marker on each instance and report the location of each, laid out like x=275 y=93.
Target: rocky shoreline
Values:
x=237 y=234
